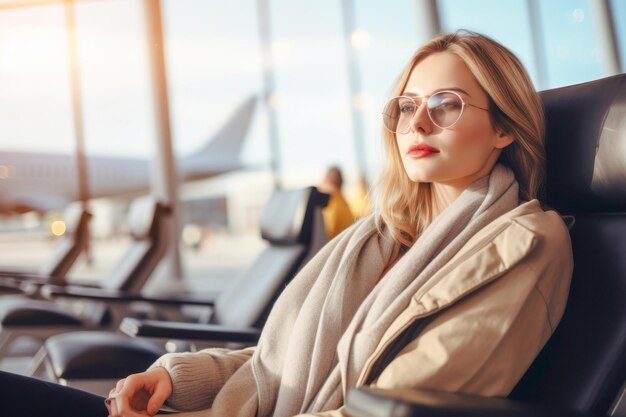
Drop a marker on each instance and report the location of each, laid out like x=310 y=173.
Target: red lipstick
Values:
x=421 y=151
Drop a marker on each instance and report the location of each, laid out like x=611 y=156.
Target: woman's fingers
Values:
x=160 y=394
x=139 y=401
x=120 y=385
x=110 y=401
x=114 y=411
x=140 y=395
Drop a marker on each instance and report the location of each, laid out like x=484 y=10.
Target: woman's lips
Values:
x=421 y=151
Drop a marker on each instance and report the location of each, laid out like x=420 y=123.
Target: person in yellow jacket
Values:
x=337 y=214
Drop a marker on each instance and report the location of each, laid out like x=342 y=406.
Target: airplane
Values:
x=44 y=182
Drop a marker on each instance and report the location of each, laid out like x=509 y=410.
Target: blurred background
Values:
x=104 y=100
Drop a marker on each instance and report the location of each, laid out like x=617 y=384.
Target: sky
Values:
x=213 y=58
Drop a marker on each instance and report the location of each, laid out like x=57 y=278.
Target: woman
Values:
x=455 y=283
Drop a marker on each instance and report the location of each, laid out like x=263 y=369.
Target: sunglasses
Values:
x=444 y=110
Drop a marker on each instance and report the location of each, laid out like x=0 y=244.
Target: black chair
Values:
x=292 y=225
x=54 y=270
x=41 y=318
x=582 y=369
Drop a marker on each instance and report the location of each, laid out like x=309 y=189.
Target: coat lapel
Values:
x=487 y=256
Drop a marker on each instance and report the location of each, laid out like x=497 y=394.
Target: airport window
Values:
x=618 y=9
x=570 y=40
x=213 y=68
x=312 y=94
x=505 y=21
x=389 y=39
x=213 y=65
x=35 y=104
x=567 y=35
x=36 y=109
x=113 y=63
x=117 y=110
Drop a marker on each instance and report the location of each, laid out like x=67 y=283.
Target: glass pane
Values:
x=115 y=82
x=35 y=118
x=312 y=89
x=118 y=122
x=570 y=42
x=391 y=39
x=618 y=9
x=213 y=69
x=506 y=22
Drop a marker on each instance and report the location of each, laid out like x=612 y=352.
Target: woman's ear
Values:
x=503 y=140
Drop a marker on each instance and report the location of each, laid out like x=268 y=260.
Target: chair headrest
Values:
x=142 y=216
x=283 y=217
x=586 y=146
x=73 y=215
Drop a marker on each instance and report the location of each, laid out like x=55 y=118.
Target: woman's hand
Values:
x=140 y=394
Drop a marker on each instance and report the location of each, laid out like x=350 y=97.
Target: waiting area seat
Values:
x=54 y=271
x=292 y=225
x=41 y=318
x=582 y=369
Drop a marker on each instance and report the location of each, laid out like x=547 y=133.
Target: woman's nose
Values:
x=420 y=122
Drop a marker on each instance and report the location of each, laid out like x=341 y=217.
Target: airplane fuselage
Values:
x=44 y=181
x=49 y=181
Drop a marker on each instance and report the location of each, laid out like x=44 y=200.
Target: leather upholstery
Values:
x=147 y=220
x=584 y=363
x=36 y=313
x=586 y=146
x=69 y=361
x=141 y=216
x=282 y=220
x=239 y=305
x=293 y=214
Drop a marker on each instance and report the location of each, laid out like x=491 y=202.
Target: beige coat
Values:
x=496 y=304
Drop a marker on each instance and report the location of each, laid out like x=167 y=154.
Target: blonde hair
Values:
x=405 y=207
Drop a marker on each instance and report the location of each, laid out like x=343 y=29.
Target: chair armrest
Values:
x=114 y=296
x=17 y=273
x=30 y=278
x=10 y=285
x=371 y=402
x=188 y=331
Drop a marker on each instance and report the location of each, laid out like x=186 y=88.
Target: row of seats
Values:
x=30 y=315
x=582 y=369
x=292 y=225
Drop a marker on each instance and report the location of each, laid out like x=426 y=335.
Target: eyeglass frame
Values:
x=428 y=97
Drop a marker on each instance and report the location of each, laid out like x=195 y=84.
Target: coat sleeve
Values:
x=485 y=343
x=197 y=377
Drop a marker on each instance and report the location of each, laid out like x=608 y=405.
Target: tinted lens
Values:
x=398 y=113
x=445 y=108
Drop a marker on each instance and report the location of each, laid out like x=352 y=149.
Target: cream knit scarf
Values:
x=329 y=320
